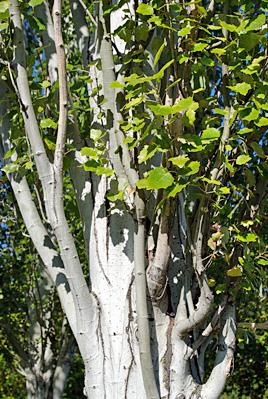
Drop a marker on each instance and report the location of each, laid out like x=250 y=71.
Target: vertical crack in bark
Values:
x=98 y=254
x=100 y=336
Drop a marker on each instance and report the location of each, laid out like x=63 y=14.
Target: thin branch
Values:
x=63 y=94
x=226 y=124
x=88 y=13
x=43 y=12
x=141 y=303
x=122 y=167
x=253 y=326
x=31 y=125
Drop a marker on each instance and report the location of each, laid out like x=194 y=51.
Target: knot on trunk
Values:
x=157 y=282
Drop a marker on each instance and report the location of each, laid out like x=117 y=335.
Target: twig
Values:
x=254 y=326
x=63 y=93
x=88 y=13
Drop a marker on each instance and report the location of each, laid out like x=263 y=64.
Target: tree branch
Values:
x=253 y=326
x=224 y=357
x=63 y=97
x=197 y=315
x=209 y=329
x=42 y=11
x=122 y=168
x=157 y=269
x=141 y=302
x=42 y=163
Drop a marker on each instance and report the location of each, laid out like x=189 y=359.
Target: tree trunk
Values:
x=142 y=326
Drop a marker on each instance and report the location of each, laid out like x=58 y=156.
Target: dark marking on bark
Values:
x=98 y=254
x=130 y=319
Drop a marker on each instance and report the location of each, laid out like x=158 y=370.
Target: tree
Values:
x=157 y=112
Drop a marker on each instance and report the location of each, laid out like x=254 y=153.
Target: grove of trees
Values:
x=133 y=143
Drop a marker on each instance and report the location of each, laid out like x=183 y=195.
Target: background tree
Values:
x=35 y=338
x=157 y=112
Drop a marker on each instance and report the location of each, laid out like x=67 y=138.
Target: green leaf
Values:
x=180 y=160
x=250 y=237
x=185 y=31
x=236 y=271
x=146 y=153
x=249 y=40
x=177 y=189
x=199 y=47
x=190 y=113
x=91 y=165
x=3 y=25
x=89 y=152
x=229 y=166
x=241 y=88
x=142 y=32
x=135 y=79
x=155 y=20
x=191 y=168
x=262 y=122
x=101 y=170
x=184 y=104
x=242 y=159
x=224 y=190
x=209 y=135
x=34 y=3
x=258 y=149
x=253 y=115
x=96 y=134
x=213 y=181
x=4 y=6
x=145 y=9
x=229 y=27
x=28 y=165
x=263 y=262
x=48 y=122
x=180 y=106
x=10 y=168
x=158 y=53
x=9 y=153
x=50 y=144
x=211 y=282
x=159 y=75
x=218 y=51
x=245 y=130
x=45 y=84
x=247 y=223
x=257 y=23
x=116 y=85
x=41 y=27
x=135 y=101
x=115 y=197
x=157 y=178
